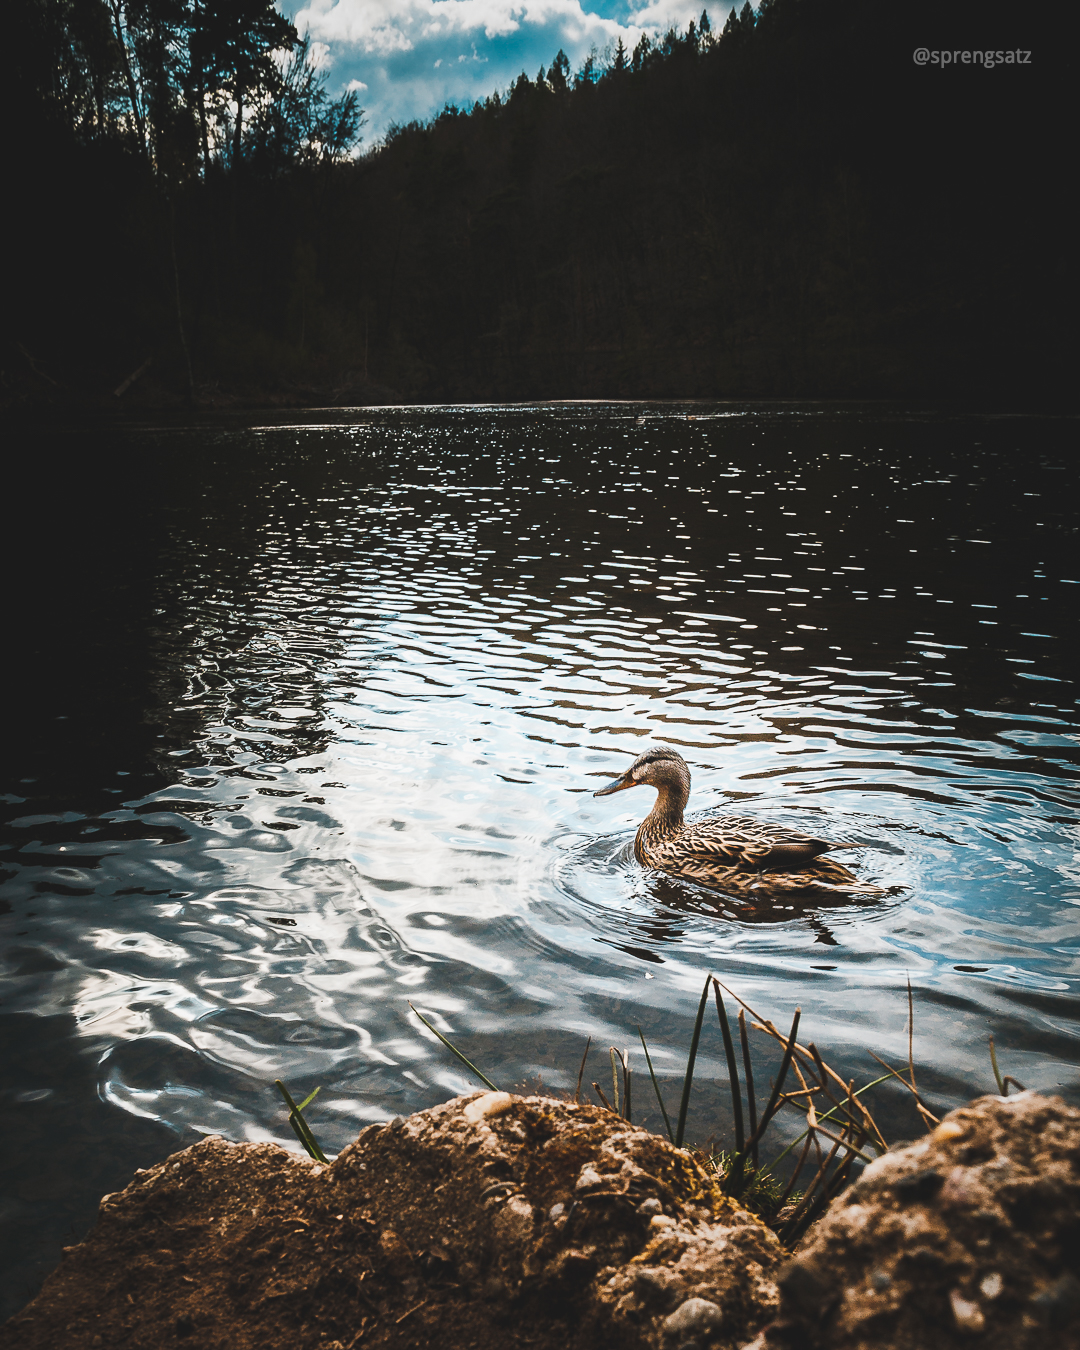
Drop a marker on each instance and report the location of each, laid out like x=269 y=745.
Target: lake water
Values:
x=307 y=716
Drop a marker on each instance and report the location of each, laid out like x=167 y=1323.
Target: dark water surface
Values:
x=306 y=721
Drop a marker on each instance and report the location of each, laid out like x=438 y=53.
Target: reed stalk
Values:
x=684 y=1105
x=733 y=1073
x=656 y=1087
x=581 y=1071
x=627 y=1079
x=455 y=1051
x=740 y=1174
x=748 y=1070
x=1002 y=1090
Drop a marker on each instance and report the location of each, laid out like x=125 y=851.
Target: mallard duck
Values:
x=728 y=852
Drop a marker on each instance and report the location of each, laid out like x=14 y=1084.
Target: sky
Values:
x=407 y=58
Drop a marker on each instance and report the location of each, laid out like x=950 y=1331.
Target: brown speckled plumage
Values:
x=729 y=852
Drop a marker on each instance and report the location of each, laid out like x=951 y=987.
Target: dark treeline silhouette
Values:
x=791 y=206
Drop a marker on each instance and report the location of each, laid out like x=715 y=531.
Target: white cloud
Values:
x=411 y=57
x=657 y=16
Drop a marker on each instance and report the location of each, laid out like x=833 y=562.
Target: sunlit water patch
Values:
x=310 y=716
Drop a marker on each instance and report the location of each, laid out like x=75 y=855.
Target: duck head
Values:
x=659 y=767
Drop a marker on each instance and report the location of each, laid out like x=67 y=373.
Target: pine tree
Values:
x=558 y=75
x=588 y=73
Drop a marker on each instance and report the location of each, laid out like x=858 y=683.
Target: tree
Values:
x=299 y=123
x=558 y=75
x=588 y=74
x=234 y=45
x=116 y=8
x=158 y=31
x=85 y=74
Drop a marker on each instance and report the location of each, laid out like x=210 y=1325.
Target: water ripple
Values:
x=348 y=689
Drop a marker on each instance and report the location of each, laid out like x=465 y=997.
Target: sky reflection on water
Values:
x=317 y=729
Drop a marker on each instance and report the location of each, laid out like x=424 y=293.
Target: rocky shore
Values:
x=502 y=1221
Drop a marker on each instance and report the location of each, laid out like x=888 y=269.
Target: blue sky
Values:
x=407 y=58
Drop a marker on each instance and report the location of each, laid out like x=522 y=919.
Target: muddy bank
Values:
x=500 y=1221
x=489 y=1221
x=969 y=1237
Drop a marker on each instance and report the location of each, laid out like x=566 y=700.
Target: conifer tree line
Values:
x=781 y=205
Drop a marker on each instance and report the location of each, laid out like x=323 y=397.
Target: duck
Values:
x=734 y=853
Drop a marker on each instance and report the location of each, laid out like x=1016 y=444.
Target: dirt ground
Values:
x=495 y=1222
x=490 y=1221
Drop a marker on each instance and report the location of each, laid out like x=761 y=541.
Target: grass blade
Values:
x=628 y=1078
x=827 y=1116
x=600 y=1093
x=688 y=1081
x=748 y=1072
x=455 y=1051
x=613 y=1055
x=911 y=1036
x=299 y=1125
x=581 y=1071
x=997 y=1071
x=768 y=1027
x=656 y=1086
x=733 y=1073
x=778 y=1086
x=858 y=1153
x=922 y=1110
x=801 y=1164
x=310 y=1098
x=300 y=1135
x=796 y=1227
x=785 y=1234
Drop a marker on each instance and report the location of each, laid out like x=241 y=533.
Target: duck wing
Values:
x=741 y=841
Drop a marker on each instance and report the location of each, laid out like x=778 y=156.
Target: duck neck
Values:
x=666 y=817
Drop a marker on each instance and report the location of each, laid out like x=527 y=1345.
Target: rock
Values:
x=464 y=1226
x=695 y=1319
x=967 y=1315
x=589 y=1179
x=972 y=1233
x=490 y=1104
x=991 y=1285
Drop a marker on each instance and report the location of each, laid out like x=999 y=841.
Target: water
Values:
x=307 y=719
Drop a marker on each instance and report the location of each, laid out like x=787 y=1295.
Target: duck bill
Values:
x=624 y=781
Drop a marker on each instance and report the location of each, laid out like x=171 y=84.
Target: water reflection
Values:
x=353 y=685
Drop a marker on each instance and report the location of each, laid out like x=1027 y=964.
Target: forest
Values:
x=784 y=205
